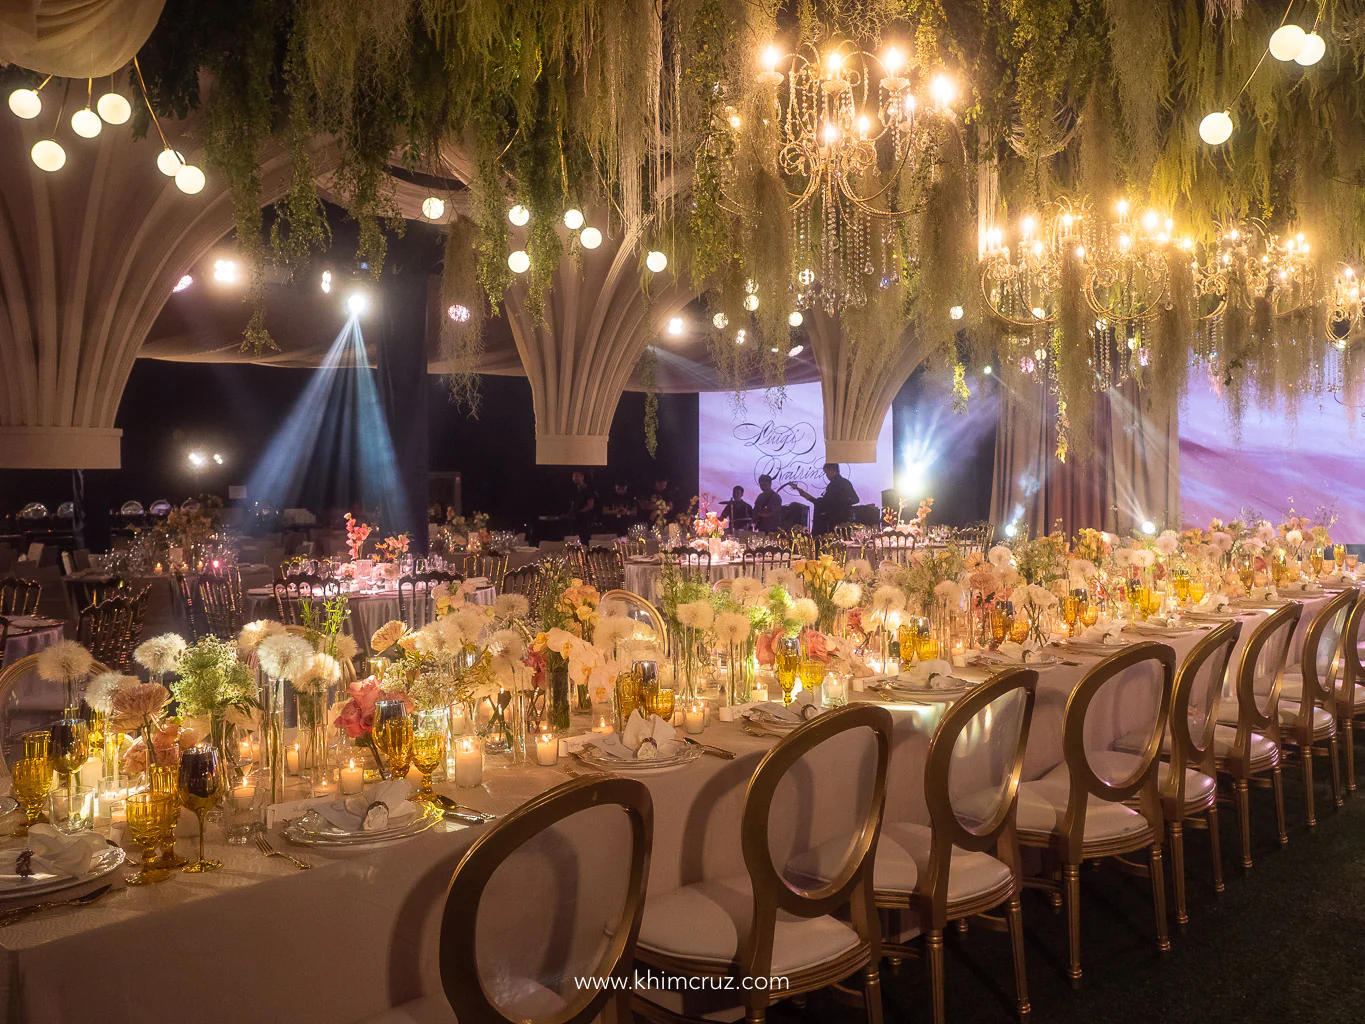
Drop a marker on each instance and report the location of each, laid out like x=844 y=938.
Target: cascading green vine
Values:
x=648 y=367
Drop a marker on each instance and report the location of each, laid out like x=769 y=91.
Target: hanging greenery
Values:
x=649 y=367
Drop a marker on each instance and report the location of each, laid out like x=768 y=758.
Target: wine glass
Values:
x=788 y=659
x=70 y=746
x=31 y=779
x=1315 y=560
x=1071 y=611
x=1246 y=572
x=811 y=674
x=393 y=735
x=1198 y=588
x=201 y=787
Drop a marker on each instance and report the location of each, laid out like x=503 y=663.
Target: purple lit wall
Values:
x=1315 y=461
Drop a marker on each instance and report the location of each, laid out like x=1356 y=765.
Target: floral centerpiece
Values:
x=569 y=609
x=66 y=663
x=356 y=535
x=392 y=549
x=823 y=580
x=212 y=682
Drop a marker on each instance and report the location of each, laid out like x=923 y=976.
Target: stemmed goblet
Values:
x=201 y=787
x=788 y=659
x=31 y=779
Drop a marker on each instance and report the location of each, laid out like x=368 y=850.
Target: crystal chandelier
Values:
x=1343 y=306
x=850 y=130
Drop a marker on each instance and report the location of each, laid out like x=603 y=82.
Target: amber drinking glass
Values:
x=812 y=674
x=428 y=751
x=69 y=749
x=661 y=702
x=30 y=782
x=151 y=825
x=1198 y=588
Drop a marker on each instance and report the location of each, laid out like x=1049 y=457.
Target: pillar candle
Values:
x=547 y=749
x=352 y=779
x=468 y=762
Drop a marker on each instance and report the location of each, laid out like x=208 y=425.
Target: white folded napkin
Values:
x=1020 y=652
x=934 y=674
x=1302 y=587
x=630 y=745
x=802 y=708
x=54 y=853
x=1103 y=633
x=1213 y=601
x=348 y=813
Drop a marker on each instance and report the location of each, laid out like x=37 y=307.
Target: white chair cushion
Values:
x=969 y=874
x=894 y=870
x=1136 y=742
x=1223 y=736
x=1118 y=764
x=1292 y=687
x=1289 y=716
x=705 y=921
x=1042 y=806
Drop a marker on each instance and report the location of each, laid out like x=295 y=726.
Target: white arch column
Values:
x=857 y=387
x=89 y=255
x=579 y=355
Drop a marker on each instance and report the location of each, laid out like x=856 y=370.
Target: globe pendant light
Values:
x=1313 y=49
x=1287 y=42
x=168 y=162
x=25 y=103
x=1216 y=129
x=590 y=238
x=433 y=208
x=48 y=155
x=518 y=262
x=114 y=108
x=86 y=123
x=656 y=261
x=189 y=179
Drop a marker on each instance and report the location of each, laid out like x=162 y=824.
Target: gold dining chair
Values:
x=1246 y=740
x=1192 y=795
x=1350 y=695
x=766 y=923
x=1308 y=698
x=506 y=957
x=943 y=871
x=1078 y=811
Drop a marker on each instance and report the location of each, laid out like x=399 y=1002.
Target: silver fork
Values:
x=263 y=844
x=18 y=914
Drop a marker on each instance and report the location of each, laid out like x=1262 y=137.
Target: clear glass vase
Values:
x=272 y=738
x=559 y=716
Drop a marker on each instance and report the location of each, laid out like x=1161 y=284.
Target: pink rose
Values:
x=357 y=716
x=536 y=662
x=763 y=649
x=815 y=644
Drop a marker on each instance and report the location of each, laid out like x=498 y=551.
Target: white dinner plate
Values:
x=42 y=882
x=599 y=758
x=311 y=829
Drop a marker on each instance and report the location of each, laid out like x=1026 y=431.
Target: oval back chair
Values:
x=1247 y=739
x=1351 y=695
x=28 y=702
x=479 y=996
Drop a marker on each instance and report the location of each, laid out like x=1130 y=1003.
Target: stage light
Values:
x=86 y=123
x=433 y=208
x=198 y=459
x=189 y=179
x=217 y=458
x=656 y=261
x=518 y=262
x=676 y=326
x=519 y=215
x=168 y=161
x=114 y=108
x=795 y=319
x=573 y=219
x=25 y=103
x=591 y=238
x=225 y=271
x=326 y=282
x=1148 y=527
x=48 y=155
x=357 y=303
x=458 y=313
x=184 y=282
x=988 y=369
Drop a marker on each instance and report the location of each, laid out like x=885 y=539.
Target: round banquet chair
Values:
x=1351 y=693
x=1078 y=811
x=552 y=893
x=943 y=871
x=768 y=921
x=1246 y=742
x=1191 y=795
x=1308 y=697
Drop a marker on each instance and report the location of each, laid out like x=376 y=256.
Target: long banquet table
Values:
x=359 y=932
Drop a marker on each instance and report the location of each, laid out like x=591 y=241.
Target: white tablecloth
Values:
x=360 y=931
x=368 y=611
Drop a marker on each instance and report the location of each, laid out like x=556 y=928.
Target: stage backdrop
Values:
x=738 y=441
x=1278 y=465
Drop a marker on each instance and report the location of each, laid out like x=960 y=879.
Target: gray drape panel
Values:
x=1132 y=473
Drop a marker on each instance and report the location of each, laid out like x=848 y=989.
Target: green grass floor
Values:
x=1285 y=942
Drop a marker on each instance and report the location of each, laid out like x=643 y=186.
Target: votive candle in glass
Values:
x=694 y=718
x=547 y=749
x=468 y=762
x=352 y=779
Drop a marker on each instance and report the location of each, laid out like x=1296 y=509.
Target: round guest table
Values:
x=28 y=635
x=644 y=575
x=369 y=610
x=374 y=914
x=165 y=609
